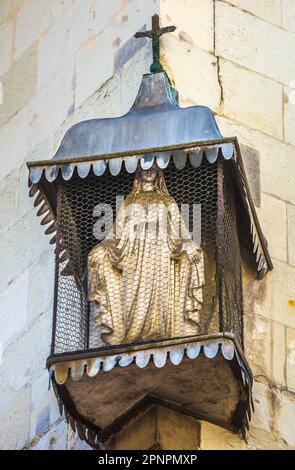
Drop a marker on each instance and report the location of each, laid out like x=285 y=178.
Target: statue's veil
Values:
x=159 y=183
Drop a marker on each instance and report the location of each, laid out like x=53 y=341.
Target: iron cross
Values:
x=155 y=34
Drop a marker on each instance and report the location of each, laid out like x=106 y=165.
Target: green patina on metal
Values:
x=155 y=33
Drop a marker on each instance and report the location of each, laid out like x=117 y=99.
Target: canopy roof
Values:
x=155 y=128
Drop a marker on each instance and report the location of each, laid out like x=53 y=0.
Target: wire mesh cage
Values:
x=75 y=327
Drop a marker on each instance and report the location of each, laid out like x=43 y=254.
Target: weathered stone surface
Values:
x=291 y=233
x=281 y=284
x=216 y=438
x=19 y=85
x=28 y=135
x=13 y=136
x=196 y=83
x=262 y=417
x=258 y=344
x=257 y=296
x=41 y=284
x=269 y=10
x=289 y=113
x=13 y=301
x=25 y=356
x=285 y=418
x=23 y=242
x=251 y=98
x=14 y=422
x=290 y=340
x=82 y=22
x=139 y=434
x=44 y=409
x=255 y=44
x=34 y=18
x=279 y=353
x=277 y=163
x=127 y=51
x=55 y=439
x=288 y=15
x=8 y=8
x=108 y=48
x=251 y=162
x=273 y=209
x=6 y=37
x=176 y=431
x=200 y=13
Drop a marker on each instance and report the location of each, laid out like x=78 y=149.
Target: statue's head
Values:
x=150 y=175
x=153 y=175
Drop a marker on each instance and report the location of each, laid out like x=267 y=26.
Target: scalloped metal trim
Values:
x=115 y=165
x=180 y=158
x=210 y=347
x=44 y=209
x=159 y=356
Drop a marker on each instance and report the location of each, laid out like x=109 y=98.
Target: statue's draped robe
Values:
x=145 y=281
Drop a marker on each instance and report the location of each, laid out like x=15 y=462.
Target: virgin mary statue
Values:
x=145 y=278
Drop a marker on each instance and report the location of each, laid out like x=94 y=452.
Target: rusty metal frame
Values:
x=239 y=423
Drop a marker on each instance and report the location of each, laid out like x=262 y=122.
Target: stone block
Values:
x=8 y=8
x=186 y=16
x=283 y=291
x=127 y=51
x=251 y=98
x=216 y=438
x=80 y=23
x=13 y=136
x=192 y=71
x=14 y=195
x=6 y=37
x=257 y=294
x=176 y=431
x=55 y=439
x=258 y=344
x=262 y=418
x=43 y=421
x=254 y=43
x=285 y=418
x=113 y=46
x=291 y=233
x=24 y=358
x=19 y=85
x=138 y=434
x=41 y=284
x=14 y=422
x=288 y=15
x=51 y=106
x=251 y=162
x=269 y=10
x=276 y=158
x=34 y=18
x=279 y=354
x=13 y=301
x=90 y=77
x=273 y=209
x=44 y=407
x=23 y=243
x=290 y=340
x=289 y=113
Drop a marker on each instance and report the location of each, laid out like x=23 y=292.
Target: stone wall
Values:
x=66 y=60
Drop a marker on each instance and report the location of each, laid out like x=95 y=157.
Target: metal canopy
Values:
x=102 y=390
x=155 y=128
x=155 y=120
